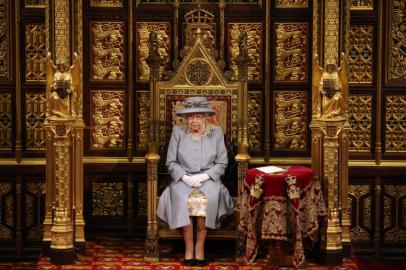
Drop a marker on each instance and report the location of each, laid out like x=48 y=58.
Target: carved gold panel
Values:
x=162 y=30
x=397 y=41
x=107 y=119
x=6 y=121
x=254 y=47
x=360 y=119
x=361 y=4
x=34 y=3
x=291 y=51
x=208 y=36
x=107 y=51
x=4 y=39
x=35 y=52
x=291 y=3
x=395 y=123
x=290 y=120
x=107 y=199
x=394 y=212
x=143 y=112
x=106 y=3
x=254 y=120
x=142 y=199
x=360 y=198
x=35 y=111
x=360 y=54
x=34 y=198
x=6 y=211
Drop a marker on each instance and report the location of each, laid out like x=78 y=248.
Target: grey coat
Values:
x=187 y=156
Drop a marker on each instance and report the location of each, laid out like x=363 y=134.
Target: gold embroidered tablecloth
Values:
x=285 y=206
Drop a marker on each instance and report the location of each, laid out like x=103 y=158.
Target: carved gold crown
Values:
x=199 y=17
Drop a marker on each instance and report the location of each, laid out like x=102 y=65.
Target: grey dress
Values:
x=187 y=156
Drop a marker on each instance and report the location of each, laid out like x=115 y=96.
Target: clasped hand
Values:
x=195 y=180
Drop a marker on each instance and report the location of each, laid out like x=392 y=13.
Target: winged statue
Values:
x=329 y=88
x=63 y=86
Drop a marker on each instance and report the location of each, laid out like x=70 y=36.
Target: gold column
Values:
x=78 y=134
x=330 y=129
x=64 y=222
x=267 y=91
x=62 y=249
x=242 y=156
x=18 y=142
x=152 y=157
x=130 y=143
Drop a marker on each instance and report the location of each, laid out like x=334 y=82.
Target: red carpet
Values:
x=370 y=264
x=121 y=254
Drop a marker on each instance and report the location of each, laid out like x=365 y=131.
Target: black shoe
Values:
x=189 y=262
x=200 y=262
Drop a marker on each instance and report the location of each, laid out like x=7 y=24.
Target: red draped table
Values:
x=282 y=206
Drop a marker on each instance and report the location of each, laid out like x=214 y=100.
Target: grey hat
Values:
x=195 y=105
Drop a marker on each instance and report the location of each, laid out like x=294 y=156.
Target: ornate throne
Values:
x=198 y=74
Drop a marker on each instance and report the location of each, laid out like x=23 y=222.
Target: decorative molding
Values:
x=394 y=197
x=360 y=211
x=34 y=193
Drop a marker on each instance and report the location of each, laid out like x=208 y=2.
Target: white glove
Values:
x=201 y=177
x=190 y=181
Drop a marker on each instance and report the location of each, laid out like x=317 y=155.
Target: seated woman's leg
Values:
x=200 y=237
x=188 y=237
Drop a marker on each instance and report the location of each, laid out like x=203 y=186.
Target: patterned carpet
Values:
x=106 y=253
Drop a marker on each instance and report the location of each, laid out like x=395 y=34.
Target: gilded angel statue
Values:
x=330 y=88
x=63 y=82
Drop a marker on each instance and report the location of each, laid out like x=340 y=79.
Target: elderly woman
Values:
x=196 y=160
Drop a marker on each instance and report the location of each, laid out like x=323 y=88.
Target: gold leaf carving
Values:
x=395 y=123
x=290 y=124
x=254 y=120
x=291 y=3
x=397 y=40
x=254 y=47
x=143 y=112
x=4 y=43
x=6 y=121
x=360 y=119
x=35 y=50
x=35 y=110
x=142 y=43
x=106 y=3
x=291 y=51
x=361 y=4
x=107 y=199
x=107 y=119
x=360 y=54
x=107 y=51
x=34 y=3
